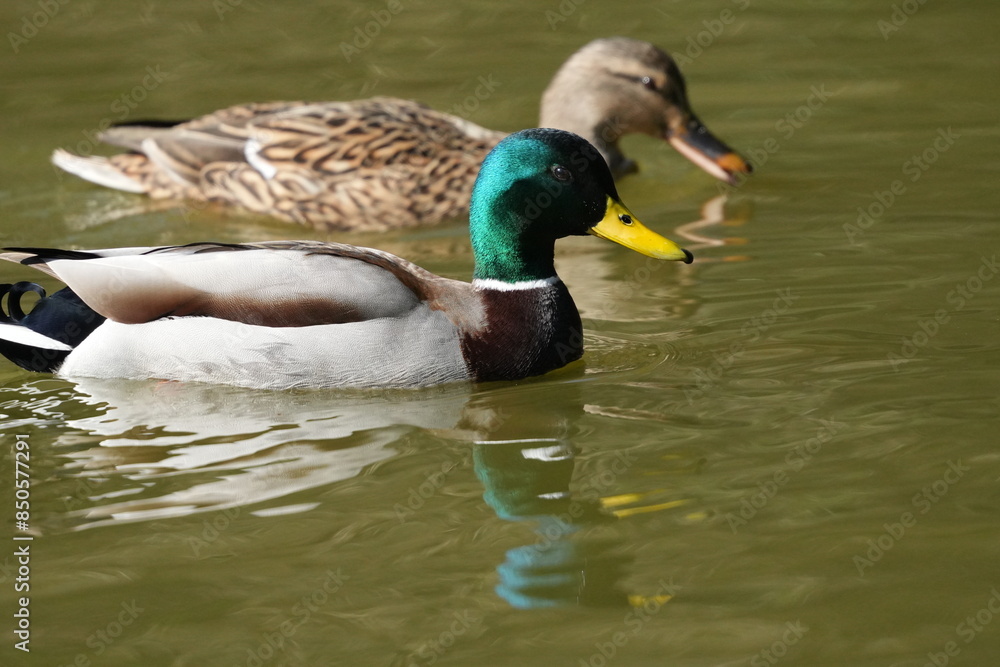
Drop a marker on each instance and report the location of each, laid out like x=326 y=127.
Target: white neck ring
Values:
x=501 y=286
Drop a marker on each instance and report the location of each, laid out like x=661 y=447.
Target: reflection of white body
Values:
x=262 y=445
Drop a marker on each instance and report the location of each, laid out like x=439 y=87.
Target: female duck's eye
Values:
x=649 y=83
x=562 y=173
x=626 y=219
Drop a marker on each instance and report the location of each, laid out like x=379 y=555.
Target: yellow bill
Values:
x=620 y=226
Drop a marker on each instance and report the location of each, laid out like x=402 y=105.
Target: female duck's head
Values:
x=615 y=86
x=539 y=185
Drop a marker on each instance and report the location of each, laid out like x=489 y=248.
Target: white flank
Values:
x=15 y=333
x=501 y=286
x=419 y=349
x=252 y=153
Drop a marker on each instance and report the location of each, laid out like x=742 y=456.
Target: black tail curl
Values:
x=63 y=317
x=14 y=313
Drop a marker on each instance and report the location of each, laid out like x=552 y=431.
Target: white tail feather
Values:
x=96 y=170
x=15 y=333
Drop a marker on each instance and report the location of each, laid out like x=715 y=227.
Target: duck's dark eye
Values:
x=626 y=219
x=649 y=83
x=562 y=173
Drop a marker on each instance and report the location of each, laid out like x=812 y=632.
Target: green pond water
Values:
x=784 y=453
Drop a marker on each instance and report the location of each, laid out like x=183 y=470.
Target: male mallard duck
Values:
x=308 y=313
x=386 y=163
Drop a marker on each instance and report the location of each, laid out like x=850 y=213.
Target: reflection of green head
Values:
x=521 y=481
x=525 y=480
x=570 y=572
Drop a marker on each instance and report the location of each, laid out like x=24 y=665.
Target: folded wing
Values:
x=282 y=284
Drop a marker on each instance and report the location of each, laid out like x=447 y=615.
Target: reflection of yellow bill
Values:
x=645 y=509
x=620 y=226
x=643 y=600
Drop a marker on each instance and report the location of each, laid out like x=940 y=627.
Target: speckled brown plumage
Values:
x=372 y=164
x=386 y=163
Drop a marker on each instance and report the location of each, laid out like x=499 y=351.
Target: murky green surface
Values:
x=795 y=437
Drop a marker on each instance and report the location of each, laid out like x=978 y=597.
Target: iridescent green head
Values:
x=539 y=185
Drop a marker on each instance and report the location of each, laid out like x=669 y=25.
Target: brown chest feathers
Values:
x=527 y=332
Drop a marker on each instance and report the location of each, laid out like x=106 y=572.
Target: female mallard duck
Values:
x=386 y=163
x=306 y=313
